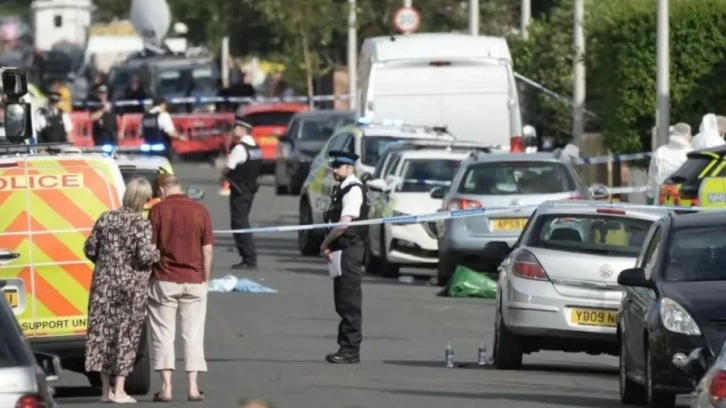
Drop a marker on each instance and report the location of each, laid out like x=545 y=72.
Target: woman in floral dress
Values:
x=120 y=247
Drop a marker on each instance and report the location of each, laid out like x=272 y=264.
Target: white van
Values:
x=460 y=81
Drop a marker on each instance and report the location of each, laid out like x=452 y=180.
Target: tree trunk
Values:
x=308 y=65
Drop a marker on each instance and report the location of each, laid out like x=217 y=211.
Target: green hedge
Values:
x=621 y=68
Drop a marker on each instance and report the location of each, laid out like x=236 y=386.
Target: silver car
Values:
x=557 y=286
x=500 y=182
x=23 y=382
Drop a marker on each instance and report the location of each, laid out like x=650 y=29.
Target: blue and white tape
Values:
x=616 y=158
x=219 y=99
x=445 y=215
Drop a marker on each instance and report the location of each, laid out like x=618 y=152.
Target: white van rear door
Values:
x=471 y=97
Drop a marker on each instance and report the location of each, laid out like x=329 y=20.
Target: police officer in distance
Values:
x=349 y=202
x=51 y=123
x=157 y=127
x=242 y=169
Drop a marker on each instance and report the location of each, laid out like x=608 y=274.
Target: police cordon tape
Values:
x=616 y=158
x=454 y=214
x=219 y=99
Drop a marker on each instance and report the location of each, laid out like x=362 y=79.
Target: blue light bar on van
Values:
x=158 y=147
x=107 y=148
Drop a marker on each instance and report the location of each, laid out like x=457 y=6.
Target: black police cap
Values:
x=339 y=156
x=239 y=121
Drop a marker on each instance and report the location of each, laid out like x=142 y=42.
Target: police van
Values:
x=50 y=200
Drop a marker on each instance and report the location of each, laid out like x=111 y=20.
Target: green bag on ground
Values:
x=469 y=283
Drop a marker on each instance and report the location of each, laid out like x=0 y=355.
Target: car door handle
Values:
x=8 y=256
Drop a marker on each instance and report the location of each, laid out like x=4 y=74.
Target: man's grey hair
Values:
x=682 y=129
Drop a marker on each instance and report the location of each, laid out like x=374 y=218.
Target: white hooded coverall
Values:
x=708 y=135
x=665 y=161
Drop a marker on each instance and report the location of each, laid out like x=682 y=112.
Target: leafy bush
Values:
x=621 y=66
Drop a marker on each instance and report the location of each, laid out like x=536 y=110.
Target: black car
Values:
x=674 y=302
x=306 y=134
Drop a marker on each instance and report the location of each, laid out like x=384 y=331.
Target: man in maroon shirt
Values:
x=183 y=234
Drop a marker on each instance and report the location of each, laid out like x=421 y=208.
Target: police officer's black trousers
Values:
x=240 y=206
x=348 y=298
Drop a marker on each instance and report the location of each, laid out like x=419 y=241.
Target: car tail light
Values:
x=613 y=211
x=516 y=144
x=718 y=387
x=462 y=204
x=29 y=401
x=526 y=265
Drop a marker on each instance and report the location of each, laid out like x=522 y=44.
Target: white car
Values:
x=557 y=286
x=406 y=191
x=367 y=140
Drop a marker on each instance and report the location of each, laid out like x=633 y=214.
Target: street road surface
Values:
x=273 y=345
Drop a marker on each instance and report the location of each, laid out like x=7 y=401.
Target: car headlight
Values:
x=676 y=319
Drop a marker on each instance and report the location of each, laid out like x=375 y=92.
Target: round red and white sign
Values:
x=407 y=19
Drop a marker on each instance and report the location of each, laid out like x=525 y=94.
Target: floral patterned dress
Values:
x=120 y=246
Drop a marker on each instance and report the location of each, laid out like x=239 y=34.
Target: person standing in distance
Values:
x=157 y=127
x=51 y=123
x=242 y=169
x=349 y=202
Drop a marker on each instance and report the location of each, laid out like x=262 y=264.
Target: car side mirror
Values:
x=17 y=122
x=438 y=193
x=366 y=177
x=195 y=193
x=598 y=190
x=497 y=251
x=50 y=364
x=15 y=83
x=377 y=185
x=633 y=277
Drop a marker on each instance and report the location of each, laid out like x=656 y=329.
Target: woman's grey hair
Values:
x=138 y=192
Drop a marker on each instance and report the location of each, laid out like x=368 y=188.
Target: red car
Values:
x=269 y=121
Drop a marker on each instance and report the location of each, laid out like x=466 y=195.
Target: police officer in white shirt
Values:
x=348 y=203
x=157 y=127
x=50 y=123
x=242 y=169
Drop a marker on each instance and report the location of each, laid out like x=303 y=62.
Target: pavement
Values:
x=272 y=345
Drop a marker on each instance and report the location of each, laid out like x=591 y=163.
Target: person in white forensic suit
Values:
x=708 y=134
x=668 y=158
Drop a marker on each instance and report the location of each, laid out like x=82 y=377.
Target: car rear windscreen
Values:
x=321 y=128
x=697 y=254
x=422 y=175
x=150 y=175
x=373 y=146
x=269 y=118
x=690 y=170
x=514 y=178
x=598 y=234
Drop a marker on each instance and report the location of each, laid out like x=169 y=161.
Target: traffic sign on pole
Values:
x=407 y=20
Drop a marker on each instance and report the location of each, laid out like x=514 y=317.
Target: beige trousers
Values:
x=189 y=302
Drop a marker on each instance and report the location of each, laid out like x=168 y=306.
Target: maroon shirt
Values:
x=181 y=227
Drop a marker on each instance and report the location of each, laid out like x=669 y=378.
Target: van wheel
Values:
x=94 y=379
x=307 y=241
x=139 y=381
x=388 y=270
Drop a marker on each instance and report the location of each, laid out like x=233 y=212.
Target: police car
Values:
x=406 y=191
x=366 y=139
